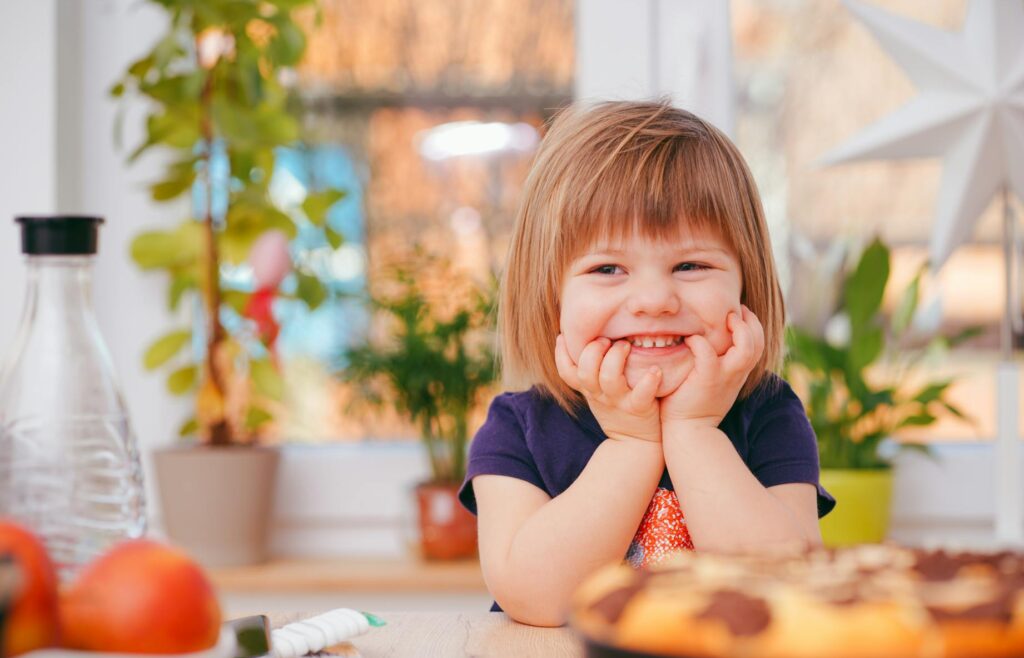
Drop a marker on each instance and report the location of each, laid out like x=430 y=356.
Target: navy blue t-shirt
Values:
x=529 y=437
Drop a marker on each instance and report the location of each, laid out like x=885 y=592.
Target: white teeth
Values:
x=655 y=341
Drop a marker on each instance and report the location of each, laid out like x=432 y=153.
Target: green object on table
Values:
x=252 y=635
x=375 y=621
x=863 y=500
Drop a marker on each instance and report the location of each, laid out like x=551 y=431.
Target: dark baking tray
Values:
x=598 y=650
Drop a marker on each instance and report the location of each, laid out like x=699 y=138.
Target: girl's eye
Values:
x=690 y=267
x=606 y=269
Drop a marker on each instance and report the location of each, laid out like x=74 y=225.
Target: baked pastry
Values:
x=868 y=601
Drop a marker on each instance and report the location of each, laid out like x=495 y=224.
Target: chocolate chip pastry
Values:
x=869 y=601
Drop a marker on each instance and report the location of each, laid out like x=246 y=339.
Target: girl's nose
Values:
x=652 y=297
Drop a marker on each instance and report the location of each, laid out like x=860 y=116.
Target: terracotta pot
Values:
x=447 y=530
x=217 y=502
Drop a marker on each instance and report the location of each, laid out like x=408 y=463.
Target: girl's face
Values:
x=653 y=294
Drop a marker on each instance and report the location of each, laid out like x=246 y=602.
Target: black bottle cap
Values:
x=53 y=235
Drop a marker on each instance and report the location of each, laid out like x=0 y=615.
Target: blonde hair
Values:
x=611 y=171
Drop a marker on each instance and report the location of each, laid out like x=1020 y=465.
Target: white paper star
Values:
x=970 y=110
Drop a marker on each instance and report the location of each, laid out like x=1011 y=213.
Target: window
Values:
x=810 y=76
x=427 y=113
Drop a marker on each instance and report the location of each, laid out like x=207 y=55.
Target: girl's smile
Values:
x=655 y=346
x=656 y=341
x=652 y=294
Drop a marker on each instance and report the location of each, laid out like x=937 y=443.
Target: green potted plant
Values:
x=859 y=391
x=432 y=370
x=218 y=111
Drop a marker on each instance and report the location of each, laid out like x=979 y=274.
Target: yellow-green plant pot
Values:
x=863 y=501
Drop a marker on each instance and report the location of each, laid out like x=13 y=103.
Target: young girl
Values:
x=641 y=302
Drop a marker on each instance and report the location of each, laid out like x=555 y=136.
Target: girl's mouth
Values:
x=654 y=341
x=656 y=345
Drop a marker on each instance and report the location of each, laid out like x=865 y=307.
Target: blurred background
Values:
x=426 y=114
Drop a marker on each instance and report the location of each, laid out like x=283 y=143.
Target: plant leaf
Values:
x=287 y=47
x=159 y=249
x=921 y=448
x=965 y=335
x=865 y=348
x=140 y=67
x=310 y=290
x=182 y=380
x=955 y=411
x=256 y=417
x=334 y=238
x=866 y=285
x=932 y=391
x=165 y=347
x=904 y=312
x=805 y=349
x=171 y=188
x=180 y=282
x=266 y=379
x=919 y=420
x=317 y=204
x=236 y=299
x=189 y=427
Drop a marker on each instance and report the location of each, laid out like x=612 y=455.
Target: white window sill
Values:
x=358 y=500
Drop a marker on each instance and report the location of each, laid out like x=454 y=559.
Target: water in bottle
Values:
x=69 y=464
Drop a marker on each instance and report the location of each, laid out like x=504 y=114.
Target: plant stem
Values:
x=430 y=438
x=459 y=444
x=220 y=432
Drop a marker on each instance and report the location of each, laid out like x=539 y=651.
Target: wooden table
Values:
x=454 y=635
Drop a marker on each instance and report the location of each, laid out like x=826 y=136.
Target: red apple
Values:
x=141 y=597
x=32 y=622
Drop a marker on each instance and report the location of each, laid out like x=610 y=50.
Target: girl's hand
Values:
x=710 y=389
x=600 y=376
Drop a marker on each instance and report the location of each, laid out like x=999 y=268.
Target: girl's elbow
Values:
x=523 y=607
x=536 y=616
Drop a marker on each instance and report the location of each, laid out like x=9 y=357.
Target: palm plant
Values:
x=853 y=405
x=434 y=367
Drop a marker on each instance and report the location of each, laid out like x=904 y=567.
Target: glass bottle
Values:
x=69 y=464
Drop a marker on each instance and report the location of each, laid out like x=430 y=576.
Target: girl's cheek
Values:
x=570 y=336
x=574 y=346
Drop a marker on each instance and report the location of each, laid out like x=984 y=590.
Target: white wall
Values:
x=639 y=49
x=28 y=109
x=57 y=154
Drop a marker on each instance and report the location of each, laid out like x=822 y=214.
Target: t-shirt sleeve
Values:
x=499 y=448
x=783 y=448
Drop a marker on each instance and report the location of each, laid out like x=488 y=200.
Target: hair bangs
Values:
x=659 y=191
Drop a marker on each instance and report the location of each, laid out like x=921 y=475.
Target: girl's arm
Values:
x=535 y=550
x=726 y=508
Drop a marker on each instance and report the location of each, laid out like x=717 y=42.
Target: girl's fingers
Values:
x=748 y=342
x=738 y=356
x=589 y=364
x=563 y=362
x=757 y=329
x=643 y=394
x=612 y=376
x=704 y=355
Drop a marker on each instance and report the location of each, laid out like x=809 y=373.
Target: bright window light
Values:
x=450 y=140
